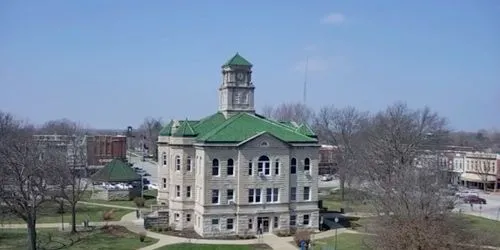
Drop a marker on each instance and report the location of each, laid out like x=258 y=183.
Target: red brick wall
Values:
x=104 y=148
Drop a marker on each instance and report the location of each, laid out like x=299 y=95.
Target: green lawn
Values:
x=344 y=241
x=114 y=238
x=189 y=246
x=49 y=213
x=353 y=201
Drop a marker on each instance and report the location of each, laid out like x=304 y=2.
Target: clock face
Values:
x=240 y=76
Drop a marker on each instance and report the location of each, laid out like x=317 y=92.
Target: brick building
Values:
x=328 y=159
x=102 y=149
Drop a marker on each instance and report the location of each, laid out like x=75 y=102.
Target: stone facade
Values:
x=233 y=188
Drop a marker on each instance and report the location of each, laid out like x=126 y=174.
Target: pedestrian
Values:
x=137 y=214
x=471 y=206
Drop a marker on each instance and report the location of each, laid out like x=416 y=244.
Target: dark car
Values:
x=473 y=199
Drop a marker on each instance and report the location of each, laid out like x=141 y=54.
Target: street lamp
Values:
x=336 y=226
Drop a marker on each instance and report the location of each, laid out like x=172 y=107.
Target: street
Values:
x=490 y=211
x=149 y=166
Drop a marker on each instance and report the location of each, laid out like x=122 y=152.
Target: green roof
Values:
x=116 y=171
x=305 y=130
x=184 y=130
x=239 y=127
x=167 y=130
x=237 y=60
x=243 y=126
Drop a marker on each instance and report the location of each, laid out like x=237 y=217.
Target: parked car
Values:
x=465 y=194
x=474 y=199
x=152 y=186
x=146 y=174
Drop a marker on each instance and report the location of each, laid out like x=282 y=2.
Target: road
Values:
x=149 y=166
x=490 y=211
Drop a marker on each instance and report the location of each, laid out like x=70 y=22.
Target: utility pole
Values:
x=304 y=97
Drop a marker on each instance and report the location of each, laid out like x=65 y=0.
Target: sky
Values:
x=110 y=64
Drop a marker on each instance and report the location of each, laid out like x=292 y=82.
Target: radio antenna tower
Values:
x=304 y=97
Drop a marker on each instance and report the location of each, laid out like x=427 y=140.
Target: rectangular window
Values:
x=230 y=195
x=250 y=168
x=188 y=163
x=277 y=168
x=229 y=224
x=177 y=216
x=215 y=221
x=293 y=194
x=230 y=170
x=293 y=166
x=293 y=220
x=188 y=217
x=250 y=224
x=260 y=167
x=178 y=191
x=254 y=195
x=164 y=180
x=275 y=222
x=215 y=196
x=272 y=194
x=307 y=193
x=215 y=170
x=251 y=195
x=188 y=191
x=269 y=194
x=305 y=219
x=267 y=168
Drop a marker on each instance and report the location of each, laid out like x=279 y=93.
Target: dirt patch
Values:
x=114 y=230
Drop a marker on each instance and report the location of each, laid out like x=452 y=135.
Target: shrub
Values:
x=139 y=201
x=302 y=235
x=108 y=215
x=142 y=236
x=282 y=233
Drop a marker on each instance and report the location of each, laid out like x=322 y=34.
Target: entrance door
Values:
x=263 y=223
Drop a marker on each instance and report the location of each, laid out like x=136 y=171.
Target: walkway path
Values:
x=106 y=205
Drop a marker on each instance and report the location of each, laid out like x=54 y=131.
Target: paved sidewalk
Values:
x=106 y=205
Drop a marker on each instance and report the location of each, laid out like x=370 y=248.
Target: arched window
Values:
x=178 y=163
x=164 y=158
x=277 y=167
x=293 y=166
x=264 y=165
x=215 y=167
x=230 y=167
x=188 y=163
x=307 y=164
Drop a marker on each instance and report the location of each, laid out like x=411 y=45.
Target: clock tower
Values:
x=236 y=94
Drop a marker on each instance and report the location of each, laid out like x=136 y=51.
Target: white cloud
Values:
x=333 y=18
x=313 y=65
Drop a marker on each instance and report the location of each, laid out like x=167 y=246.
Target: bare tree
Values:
x=71 y=164
x=296 y=112
x=24 y=170
x=343 y=128
x=151 y=127
x=405 y=181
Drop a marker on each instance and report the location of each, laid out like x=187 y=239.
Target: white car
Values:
x=152 y=186
x=464 y=194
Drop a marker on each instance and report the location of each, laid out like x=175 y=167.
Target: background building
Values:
x=102 y=149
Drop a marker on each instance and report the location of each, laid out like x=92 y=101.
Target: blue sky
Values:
x=109 y=64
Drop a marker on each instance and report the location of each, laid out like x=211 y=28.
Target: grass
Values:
x=353 y=201
x=482 y=224
x=104 y=239
x=189 y=246
x=49 y=213
x=149 y=196
x=344 y=241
